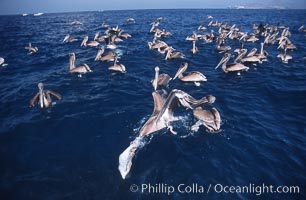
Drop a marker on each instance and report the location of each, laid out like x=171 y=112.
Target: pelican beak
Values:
x=239 y=57
x=100 y=52
x=40 y=86
x=84 y=41
x=221 y=62
x=96 y=35
x=66 y=38
x=181 y=70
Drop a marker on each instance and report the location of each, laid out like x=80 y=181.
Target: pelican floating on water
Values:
x=90 y=43
x=171 y=55
x=130 y=20
x=193 y=76
x=117 y=67
x=234 y=67
x=251 y=57
x=76 y=22
x=44 y=97
x=82 y=69
x=284 y=56
x=68 y=38
x=31 y=49
x=108 y=57
x=161 y=117
x=160 y=79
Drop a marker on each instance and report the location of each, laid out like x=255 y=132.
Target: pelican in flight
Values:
x=82 y=69
x=117 y=67
x=209 y=118
x=161 y=117
x=108 y=57
x=68 y=38
x=31 y=49
x=90 y=43
x=44 y=97
x=193 y=76
x=234 y=67
x=160 y=79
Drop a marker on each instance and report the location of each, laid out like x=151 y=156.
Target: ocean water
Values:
x=71 y=150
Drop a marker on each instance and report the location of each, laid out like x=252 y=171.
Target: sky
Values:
x=51 y=6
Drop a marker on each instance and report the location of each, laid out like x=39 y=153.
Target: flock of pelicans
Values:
x=164 y=103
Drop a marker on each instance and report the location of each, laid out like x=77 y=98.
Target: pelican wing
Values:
x=163 y=79
x=159 y=101
x=34 y=99
x=57 y=95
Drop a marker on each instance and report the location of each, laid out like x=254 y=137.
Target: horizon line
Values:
x=137 y=9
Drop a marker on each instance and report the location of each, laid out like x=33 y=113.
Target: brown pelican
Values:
x=108 y=57
x=160 y=79
x=209 y=118
x=194 y=49
x=171 y=55
x=117 y=67
x=124 y=35
x=100 y=38
x=31 y=49
x=193 y=76
x=251 y=57
x=90 y=44
x=130 y=19
x=285 y=43
x=82 y=69
x=201 y=28
x=234 y=67
x=284 y=57
x=161 y=117
x=302 y=28
x=104 y=25
x=76 y=22
x=193 y=37
x=68 y=38
x=209 y=17
x=44 y=97
x=263 y=54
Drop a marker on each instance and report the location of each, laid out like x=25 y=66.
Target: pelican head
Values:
x=96 y=35
x=181 y=70
x=84 y=41
x=66 y=38
x=225 y=59
x=210 y=99
x=40 y=86
x=100 y=52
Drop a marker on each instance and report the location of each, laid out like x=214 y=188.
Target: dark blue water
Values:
x=71 y=150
